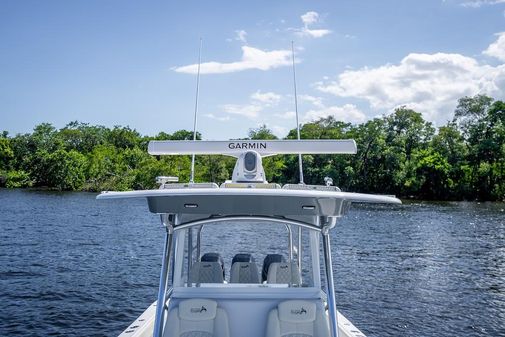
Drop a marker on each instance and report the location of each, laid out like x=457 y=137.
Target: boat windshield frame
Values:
x=181 y=254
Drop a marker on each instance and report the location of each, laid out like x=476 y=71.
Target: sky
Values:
x=134 y=63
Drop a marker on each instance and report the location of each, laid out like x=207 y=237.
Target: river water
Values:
x=74 y=266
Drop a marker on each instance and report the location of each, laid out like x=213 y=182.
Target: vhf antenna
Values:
x=192 y=177
x=300 y=164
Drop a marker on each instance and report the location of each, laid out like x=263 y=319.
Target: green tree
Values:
x=82 y=137
x=122 y=137
x=6 y=153
x=65 y=169
x=430 y=178
x=449 y=142
x=482 y=123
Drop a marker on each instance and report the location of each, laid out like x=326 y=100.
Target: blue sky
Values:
x=133 y=62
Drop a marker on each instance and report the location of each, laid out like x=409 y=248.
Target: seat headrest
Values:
x=212 y=257
x=270 y=258
x=297 y=311
x=242 y=257
x=197 y=309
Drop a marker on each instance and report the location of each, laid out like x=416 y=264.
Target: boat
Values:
x=289 y=293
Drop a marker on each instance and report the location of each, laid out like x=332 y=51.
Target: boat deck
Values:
x=256 y=302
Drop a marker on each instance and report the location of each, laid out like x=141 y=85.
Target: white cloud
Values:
x=250 y=111
x=252 y=58
x=308 y=19
x=241 y=35
x=222 y=119
x=258 y=102
x=345 y=113
x=286 y=115
x=428 y=83
x=267 y=98
x=480 y=3
x=315 y=33
x=316 y=101
x=497 y=48
x=279 y=131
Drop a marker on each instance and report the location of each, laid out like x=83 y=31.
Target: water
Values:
x=73 y=266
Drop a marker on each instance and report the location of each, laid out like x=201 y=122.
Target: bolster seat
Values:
x=244 y=272
x=284 y=272
x=244 y=269
x=206 y=272
x=197 y=318
x=269 y=259
x=298 y=318
x=213 y=257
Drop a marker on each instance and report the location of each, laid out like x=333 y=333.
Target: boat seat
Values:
x=284 y=272
x=298 y=318
x=206 y=272
x=269 y=259
x=244 y=272
x=197 y=318
x=214 y=257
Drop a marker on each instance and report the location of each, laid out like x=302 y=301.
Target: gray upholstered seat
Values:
x=244 y=272
x=284 y=272
x=206 y=272
x=197 y=318
x=298 y=318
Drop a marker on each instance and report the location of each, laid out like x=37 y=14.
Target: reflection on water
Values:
x=73 y=266
x=424 y=269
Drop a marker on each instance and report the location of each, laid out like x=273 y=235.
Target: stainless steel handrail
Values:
x=246 y=218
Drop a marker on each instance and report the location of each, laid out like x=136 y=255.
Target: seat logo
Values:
x=300 y=311
x=198 y=310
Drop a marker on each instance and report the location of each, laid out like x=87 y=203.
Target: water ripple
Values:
x=72 y=266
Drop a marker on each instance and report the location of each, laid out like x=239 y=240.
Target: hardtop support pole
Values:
x=299 y=253
x=190 y=248
x=290 y=242
x=329 y=223
x=198 y=243
x=165 y=264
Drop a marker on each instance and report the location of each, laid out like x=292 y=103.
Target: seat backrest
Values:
x=206 y=272
x=270 y=258
x=284 y=272
x=244 y=272
x=197 y=318
x=298 y=318
x=213 y=257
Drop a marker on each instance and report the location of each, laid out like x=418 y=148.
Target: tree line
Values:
x=400 y=154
